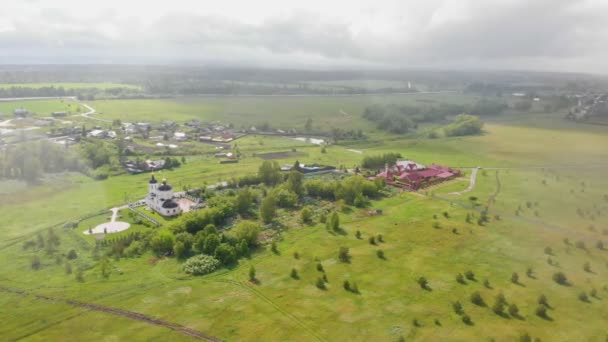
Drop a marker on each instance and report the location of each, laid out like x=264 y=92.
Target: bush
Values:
x=458 y=308
x=36 y=264
x=560 y=278
x=542 y=300
x=346 y=285
x=470 y=275
x=460 y=278
x=343 y=254
x=423 y=282
x=72 y=254
x=252 y=274
x=515 y=278
x=320 y=284
x=466 y=319
x=294 y=273
x=306 y=215
x=513 y=310
x=477 y=299
x=583 y=297
x=320 y=267
x=380 y=254
x=541 y=311
x=201 y=264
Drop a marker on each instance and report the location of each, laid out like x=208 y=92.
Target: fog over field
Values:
x=555 y=35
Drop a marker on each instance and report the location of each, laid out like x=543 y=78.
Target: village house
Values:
x=21 y=112
x=180 y=136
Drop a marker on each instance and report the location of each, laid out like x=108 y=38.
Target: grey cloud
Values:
x=503 y=34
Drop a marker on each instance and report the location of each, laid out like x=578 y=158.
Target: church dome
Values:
x=165 y=186
x=170 y=204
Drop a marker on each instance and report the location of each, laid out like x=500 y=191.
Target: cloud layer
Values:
x=542 y=34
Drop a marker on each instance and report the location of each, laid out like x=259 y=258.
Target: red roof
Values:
x=447 y=174
x=428 y=173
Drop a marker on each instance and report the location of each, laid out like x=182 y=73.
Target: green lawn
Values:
x=226 y=305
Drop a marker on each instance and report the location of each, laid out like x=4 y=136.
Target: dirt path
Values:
x=119 y=312
x=471 y=183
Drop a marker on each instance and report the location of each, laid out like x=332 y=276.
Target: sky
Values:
x=546 y=35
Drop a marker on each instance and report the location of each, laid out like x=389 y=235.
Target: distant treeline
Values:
x=88 y=93
x=402 y=119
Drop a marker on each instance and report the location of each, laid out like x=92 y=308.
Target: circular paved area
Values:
x=110 y=227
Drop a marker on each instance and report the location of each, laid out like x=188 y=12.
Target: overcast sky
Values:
x=560 y=35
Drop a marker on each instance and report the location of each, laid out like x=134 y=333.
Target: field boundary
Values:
x=118 y=312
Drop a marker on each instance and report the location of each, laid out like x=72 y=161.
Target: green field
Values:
x=41 y=108
x=570 y=176
x=279 y=111
x=70 y=86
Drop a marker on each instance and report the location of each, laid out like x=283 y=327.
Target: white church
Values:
x=160 y=198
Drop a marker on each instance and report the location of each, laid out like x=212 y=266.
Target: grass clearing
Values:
x=225 y=304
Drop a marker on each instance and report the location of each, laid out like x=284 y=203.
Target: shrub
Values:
x=294 y=273
x=466 y=319
x=513 y=310
x=587 y=267
x=274 y=248
x=525 y=337
x=201 y=264
x=372 y=240
x=486 y=283
x=541 y=311
x=423 y=282
x=560 y=278
x=343 y=254
x=542 y=300
x=72 y=254
x=460 y=278
x=346 y=285
x=530 y=272
x=515 y=278
x=380 y=254
x=252 y=274
x=36 y=264
x=320 y=284
x=320 y=267
x=358 y=234
x=499 y=305
x=583 y=297
x=380 y=238
x=470 y=275
x=306 y=215
x=457 y=308
x=477 y=299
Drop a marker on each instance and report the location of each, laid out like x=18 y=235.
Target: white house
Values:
x=180 y=136
x=160 y=198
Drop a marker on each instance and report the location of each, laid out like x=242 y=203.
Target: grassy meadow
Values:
x=41 y=108
x=533 y=208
